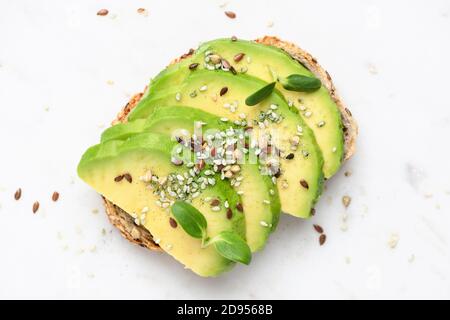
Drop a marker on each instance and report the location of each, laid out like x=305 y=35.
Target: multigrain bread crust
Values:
x=141 y=236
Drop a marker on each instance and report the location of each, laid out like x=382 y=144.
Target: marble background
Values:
x=65 y=72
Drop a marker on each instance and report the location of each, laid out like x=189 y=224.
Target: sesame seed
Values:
x=264 y=224
x=334 y=149
x=321 y=124
x=178 y=96
x=203 y=88
x=266 y=201
x=307 y=114
x=215 y=209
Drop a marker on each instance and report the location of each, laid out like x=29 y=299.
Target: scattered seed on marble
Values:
x=35 y=207
x=318 y=228
x=230 y=14
x=102 y=12
x=322 y=239
x=18 y=194
x=55 y=196
x=346 y=201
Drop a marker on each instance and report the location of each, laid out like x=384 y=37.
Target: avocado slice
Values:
x=260 y=198
x=317 y=109
x=301 y=179
x=119 y=170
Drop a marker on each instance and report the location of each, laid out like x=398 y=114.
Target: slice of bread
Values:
x=141 y=236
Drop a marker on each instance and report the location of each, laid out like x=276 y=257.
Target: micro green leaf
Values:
x=190 y=219
x=260 y=95
x=231 y=246
x=301 y=83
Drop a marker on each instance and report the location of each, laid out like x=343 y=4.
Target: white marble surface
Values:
x=390 y=61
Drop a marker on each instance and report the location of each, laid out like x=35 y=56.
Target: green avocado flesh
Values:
x=261 y=61
x=260 y=198
x=307 y=163
x=102 y=163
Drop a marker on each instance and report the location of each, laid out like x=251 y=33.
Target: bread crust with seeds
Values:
x=141 y=236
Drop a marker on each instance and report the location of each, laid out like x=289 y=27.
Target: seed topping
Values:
x=173 y=222
x=223 y=91
x=239 y=57
x=304 y=184
x=193 y=66
x=229 y=213
x=128 y=177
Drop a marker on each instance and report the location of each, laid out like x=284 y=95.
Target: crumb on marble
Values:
x=393 y=240
x=346 y=200
x=142 y=11
x=372 y=69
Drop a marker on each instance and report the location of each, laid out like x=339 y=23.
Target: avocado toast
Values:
x=322 y=144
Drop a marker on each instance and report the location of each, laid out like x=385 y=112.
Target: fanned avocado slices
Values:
x=317 y=108
x=260 y=200
x=218 y=145
x=300 y=176
x=139 y=174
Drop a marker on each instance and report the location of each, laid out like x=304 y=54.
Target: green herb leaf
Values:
x=298 y=82
x=231 y=246
x=260 y=95
x=190 y=219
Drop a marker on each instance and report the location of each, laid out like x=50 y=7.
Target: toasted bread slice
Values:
x=141 y=236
